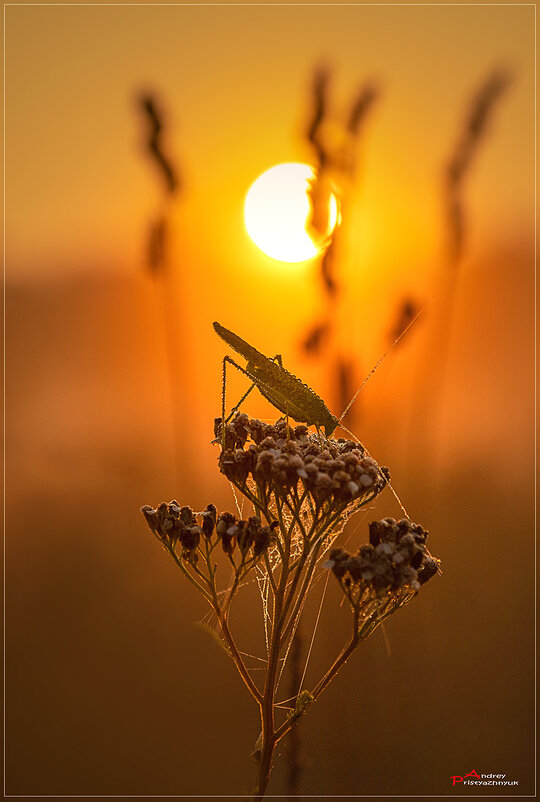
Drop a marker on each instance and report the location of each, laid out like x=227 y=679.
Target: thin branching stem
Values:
x=301 y=593
x=270 y=574
x=235 y=653
x=188 y=576
x=267 y=708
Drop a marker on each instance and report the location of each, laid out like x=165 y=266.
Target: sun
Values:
x=276 y=212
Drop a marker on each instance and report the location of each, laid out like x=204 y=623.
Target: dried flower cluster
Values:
x=386 y=572
x=173 y=524
x=278 y=466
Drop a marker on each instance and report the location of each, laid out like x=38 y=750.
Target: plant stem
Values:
x=267 y=706
x=222 y=614
x=294 y=757
x=338 y=663
x=235 y=654
x=188 y=576
x=301 y=594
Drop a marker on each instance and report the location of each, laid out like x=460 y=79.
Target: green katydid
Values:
x=284 y=390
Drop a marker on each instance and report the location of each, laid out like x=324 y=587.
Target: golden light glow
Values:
x=276 y=212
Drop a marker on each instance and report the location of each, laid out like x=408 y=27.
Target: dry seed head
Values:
x=394 y=563
x=283 y=460
x=173 y=524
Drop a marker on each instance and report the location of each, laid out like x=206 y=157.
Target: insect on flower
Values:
x=285 y=391
x=301 y=489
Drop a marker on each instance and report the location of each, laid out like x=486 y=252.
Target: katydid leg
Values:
x=276 y=358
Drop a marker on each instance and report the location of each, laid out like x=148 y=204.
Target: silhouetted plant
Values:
x=301 y=489
x=158 y=246
x=335 y=147
x=456 y=170
x=159 y=228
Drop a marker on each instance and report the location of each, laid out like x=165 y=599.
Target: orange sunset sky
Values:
x=113 y=379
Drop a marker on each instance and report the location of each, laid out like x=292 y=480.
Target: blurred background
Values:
x=124 y=243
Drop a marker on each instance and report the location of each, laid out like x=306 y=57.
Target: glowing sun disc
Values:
x=276 y=212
